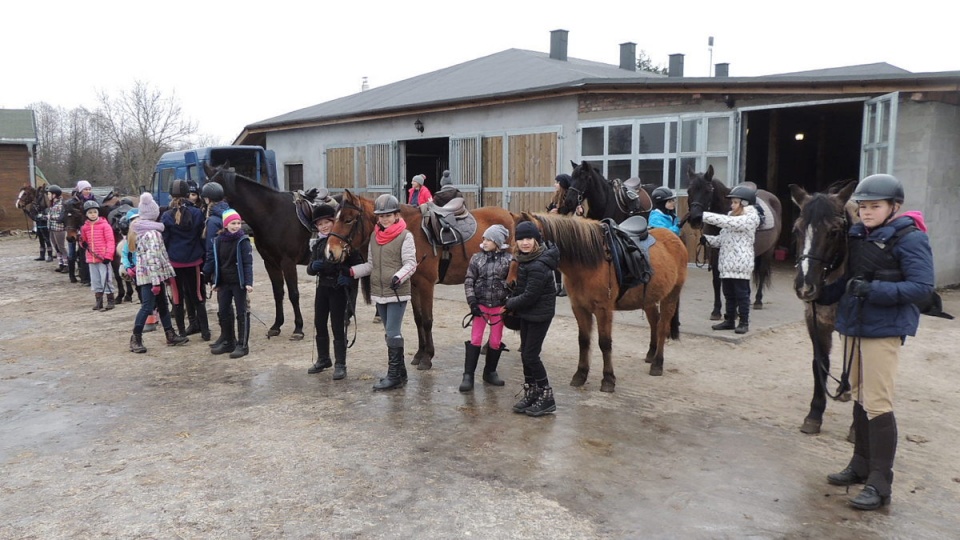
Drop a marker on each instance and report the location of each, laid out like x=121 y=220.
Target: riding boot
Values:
x=323 y=356
x=136 y=343
x=394 y=378
x=173 y=338
x=178 y=315
x=222 y=335
x=883 y=449
x=859 y=467
x=471 y=358
x=110 y=302
x=193 y=326
x=43 y=255
x=49 y=256
x=203 y=322
x=544 y=404
x=72 y=270
x=744 y=325
x=243 y=334
x=727 y=324
x=227 y=339
x=99 y=305
x=490 y=366
x=340 y=359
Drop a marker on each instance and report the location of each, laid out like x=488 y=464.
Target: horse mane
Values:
x=580 y=241
x=819 y=209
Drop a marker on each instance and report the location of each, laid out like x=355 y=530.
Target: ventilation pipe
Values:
x=722 y=70
x=558 y=45
x=676 y=65
x=628 y=56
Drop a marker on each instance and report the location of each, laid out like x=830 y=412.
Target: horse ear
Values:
x=709 y=174
x=574 y=164
x=798 y=194
x=846 y=192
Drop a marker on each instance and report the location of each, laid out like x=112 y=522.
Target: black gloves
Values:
x=316 y=265
x=345 y=271
x=395 y=283
x=858 y=287
x=703 y=240
x=475 y=310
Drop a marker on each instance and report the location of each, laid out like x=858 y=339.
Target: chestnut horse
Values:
x=591 y=282
x=355 y=224
x=707 y=194
x=821 y=236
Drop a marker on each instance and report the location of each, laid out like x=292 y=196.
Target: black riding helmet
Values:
x=192 y=187
x=322 y=211
x=745 y=193
x=879 y=187
x=212 y=191
x=91 y=205
x=660 y=196
x=55 y=189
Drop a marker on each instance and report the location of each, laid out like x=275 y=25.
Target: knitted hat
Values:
x=420 y=179
x=498 y=235
x=230 y=215
x=82 y=185
x=526 y=229
x=446 y=180
x=564 y=180
x=148 y=208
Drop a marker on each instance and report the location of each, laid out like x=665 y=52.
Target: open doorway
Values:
x=429 y=157
x=811 y=146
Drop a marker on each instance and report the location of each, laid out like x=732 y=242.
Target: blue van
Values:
x=251 y=161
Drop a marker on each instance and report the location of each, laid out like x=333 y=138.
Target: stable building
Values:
x=18 y=150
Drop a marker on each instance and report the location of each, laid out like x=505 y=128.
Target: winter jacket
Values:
x=486 y=279
x=663 y=220
x=423 y=196
x=244 y=260
x=535 y=296
x=184 y=244
x=328 y=272
x=735 y=241
x=153 y=266
x=888 y=310
x=446 y=194
x=55 y=216
x=97 y=237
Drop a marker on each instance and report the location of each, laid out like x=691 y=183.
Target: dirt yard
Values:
x=98 y=442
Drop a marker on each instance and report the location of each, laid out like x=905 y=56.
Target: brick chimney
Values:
x=558 y=45
x=676 y=65
x=628 y=56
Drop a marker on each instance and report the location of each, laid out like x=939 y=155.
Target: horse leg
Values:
x=717 y=305
x=668 y=309
x=605 y=339
x=290 y=277
x=821 y=335
x=653 y=317
x=115 y=264
x=584 y=329
x=762 y=266
x=423 y=299
x=276 y=282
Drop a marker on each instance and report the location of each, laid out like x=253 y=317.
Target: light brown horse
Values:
x=352 y=230
x=591 y=282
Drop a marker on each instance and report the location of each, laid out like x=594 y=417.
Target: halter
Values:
x=354 y=229
x=827 y=266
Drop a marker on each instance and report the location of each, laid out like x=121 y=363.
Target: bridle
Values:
x=358 y=226
x=829 y=265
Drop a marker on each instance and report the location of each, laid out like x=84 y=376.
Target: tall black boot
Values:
x=243 y=334
x=99 y=305
x=220 y=338
x=471 y=358
x=110 y=302
x=727 y=323
x=203 y=321
x=490 y=366
x=178 y=316
x=744 y=325
x=43 y=255
x=340 y=359
x=228 y=340
x=883 y=450
x=323 y=356
x=394 y=378
x=859 y=466
x=72 y=270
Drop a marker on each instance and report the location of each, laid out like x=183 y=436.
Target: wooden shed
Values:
x=18 y=146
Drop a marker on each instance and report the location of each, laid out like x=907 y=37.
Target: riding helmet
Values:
x=212 y=191
x=662 y=194
x=91 y=205
x=179 y=188
x=386 y=204
x=879 y=187
x=53 y=188
x=323 y=211
x=745 y=193
x=192 y=187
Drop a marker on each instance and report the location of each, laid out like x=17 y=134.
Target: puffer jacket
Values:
x=97 y=237
x=735 y=241
x=535 y=296
x=661 y=219
x=889 y=309
x=486 y=279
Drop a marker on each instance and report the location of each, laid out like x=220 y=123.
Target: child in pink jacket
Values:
x=97 y=237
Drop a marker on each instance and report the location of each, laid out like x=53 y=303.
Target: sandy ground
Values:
x=177 y=443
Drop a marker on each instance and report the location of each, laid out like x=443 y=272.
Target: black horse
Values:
x=707 y=194
x=601 y=195
x=821 y=237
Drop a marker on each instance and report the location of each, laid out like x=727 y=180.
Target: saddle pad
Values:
x=465 y=225
x=769 y=220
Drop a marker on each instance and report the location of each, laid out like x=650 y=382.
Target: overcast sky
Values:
x=235 y=63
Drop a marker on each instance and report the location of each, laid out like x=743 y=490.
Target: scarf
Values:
x=385 y=236
x=141 y=226
x=227 y=236
x=527 y=257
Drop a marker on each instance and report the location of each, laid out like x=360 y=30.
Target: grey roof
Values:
x=879 y=68
x=17 y=126
x=509 y=72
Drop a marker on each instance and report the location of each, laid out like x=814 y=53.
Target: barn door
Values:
x=465 y=167
x=879 y=130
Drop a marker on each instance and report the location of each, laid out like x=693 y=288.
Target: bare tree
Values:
x=141 y=125
x=645 y=63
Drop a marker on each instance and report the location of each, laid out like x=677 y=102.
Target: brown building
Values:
x=18 y=146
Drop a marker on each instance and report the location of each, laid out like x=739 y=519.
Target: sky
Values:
x=230 y=64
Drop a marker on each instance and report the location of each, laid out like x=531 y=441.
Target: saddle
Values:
x=769 y=220
x=305 y=201
x=629 y=244
x=447 y=225
x=630 y=196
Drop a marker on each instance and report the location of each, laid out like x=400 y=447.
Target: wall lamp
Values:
x=419 y=125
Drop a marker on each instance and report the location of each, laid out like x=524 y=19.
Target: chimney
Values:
x=676 y=65
x=558 y=45
x=628 y=56
x=722 y=70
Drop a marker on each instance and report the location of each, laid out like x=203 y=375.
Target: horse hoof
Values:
x=607 y=386
x=273 y=332
x=424 y=365
x=844 y=397
x=579 y=379
x=656 y=371
x=415 y=361
x=810 y=427
x=296 y=336
x=715 y=316
x=758 y=305
x=648 y=360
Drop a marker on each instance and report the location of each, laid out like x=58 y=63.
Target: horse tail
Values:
x=762 y=268
x=365 y=289
x=675 y=324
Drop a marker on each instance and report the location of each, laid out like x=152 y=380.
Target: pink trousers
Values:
x=491 y=314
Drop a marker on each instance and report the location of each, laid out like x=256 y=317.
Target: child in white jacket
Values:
x=737 y=234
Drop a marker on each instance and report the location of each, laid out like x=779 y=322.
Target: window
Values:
x=879 y=122
x=294 y=177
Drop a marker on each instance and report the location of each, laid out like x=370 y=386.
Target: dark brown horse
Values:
x=352 y=231
x=589 y=185
x=591 y=282
x=821 y=236
x=707 y=194
x=281 y=240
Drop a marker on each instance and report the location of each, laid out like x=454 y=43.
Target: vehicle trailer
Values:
x=253 y=162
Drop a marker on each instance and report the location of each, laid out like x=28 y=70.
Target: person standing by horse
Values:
x=418 y=193
x=391 y=262
x=738 y=230
x=76 y=257
x=486 y=290
x=153 y=271
x=664 y=213
x=40 y=219
x=332 y=297
x=229 y=263
x=183 y=226
x=212 y=194
x=889 y=267
x=534 y=302
x=58 y=232
x=96 y=236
